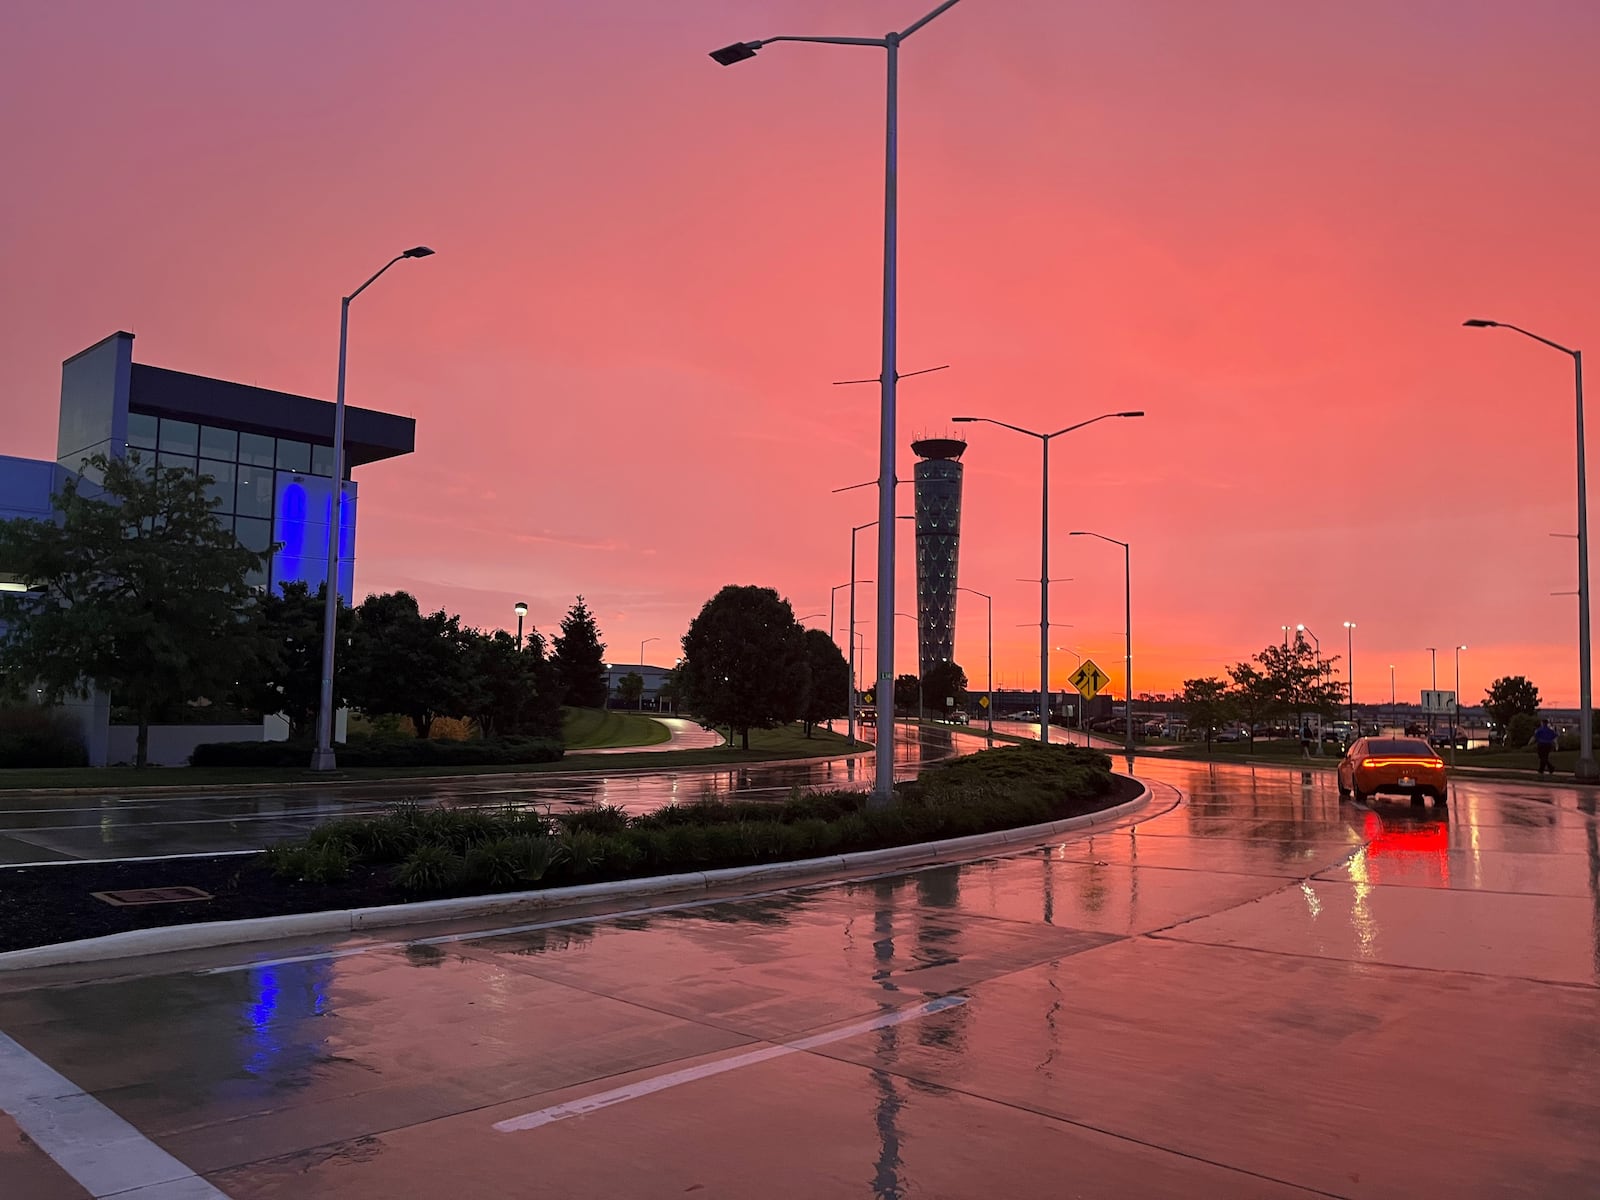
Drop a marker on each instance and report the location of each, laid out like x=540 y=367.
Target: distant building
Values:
x=937 y=478
x=269 y=454
x=655 y=678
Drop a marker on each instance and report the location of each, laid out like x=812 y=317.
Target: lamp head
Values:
x=1349 y=624
x=735 y=53
x=520 y=608
x=1460 y=647
x=963 y=420
x=1300 y=628
x=1480 y=323
x=418 y=252
x=1140 y=413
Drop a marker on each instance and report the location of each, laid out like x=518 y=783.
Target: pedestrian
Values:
x=1544 y=741
x=1305 y=739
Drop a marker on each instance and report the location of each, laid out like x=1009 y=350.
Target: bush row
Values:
x=385 y=752
x=438 y=851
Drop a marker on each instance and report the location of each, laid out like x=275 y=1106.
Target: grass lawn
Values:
x=605 y=729
x=766 y=745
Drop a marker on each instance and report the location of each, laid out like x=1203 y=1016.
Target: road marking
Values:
x=106 y=1155
x=648 y=1087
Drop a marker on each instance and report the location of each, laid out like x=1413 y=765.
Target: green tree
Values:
x=401 y=661
x=1507 y=697
x=907 y=692
x=1254 y=696
x=1207 y=705
x=829 y=694
x=944 y=687
x=1520 y=729
x=580 y=659
x=630 y=689
x=137 y=590
x=510 y=689
x=744 y=661
x=284 y=674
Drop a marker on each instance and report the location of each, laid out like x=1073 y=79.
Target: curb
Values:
x=172 y=938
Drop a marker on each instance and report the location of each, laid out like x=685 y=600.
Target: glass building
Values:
x=937 y=478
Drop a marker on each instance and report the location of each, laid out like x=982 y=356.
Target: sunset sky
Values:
x=1261 y=222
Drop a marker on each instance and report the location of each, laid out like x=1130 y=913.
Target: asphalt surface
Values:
x=135 y=823
x=1251 y=989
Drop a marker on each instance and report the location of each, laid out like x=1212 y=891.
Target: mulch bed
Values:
x=43 y=905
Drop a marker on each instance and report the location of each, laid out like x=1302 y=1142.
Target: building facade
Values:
x=269 y=456
x=937 y=477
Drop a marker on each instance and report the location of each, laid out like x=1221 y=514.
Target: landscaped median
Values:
x=414 y=864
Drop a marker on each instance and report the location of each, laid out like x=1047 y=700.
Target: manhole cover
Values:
x=160 y=895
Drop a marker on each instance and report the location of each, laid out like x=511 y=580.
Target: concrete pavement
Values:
x=1257 y=991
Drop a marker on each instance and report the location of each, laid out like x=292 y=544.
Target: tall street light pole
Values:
x=322 y=758
x=883 y=775
x=642 y=644
x=1044 y=547
x=1350 y=669
x=988 y=600
x=1394 y=709
x=1433 y=657
x=1455 y=733
x=521 y=609
x=1587 y=767
x=1127 y=617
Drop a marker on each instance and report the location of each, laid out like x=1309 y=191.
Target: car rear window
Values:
x=1407 y=746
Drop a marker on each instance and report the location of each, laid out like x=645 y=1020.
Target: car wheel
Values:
x=1343 y=791
x=1358 y=795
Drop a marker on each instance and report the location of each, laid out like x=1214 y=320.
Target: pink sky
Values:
x=1261 y=222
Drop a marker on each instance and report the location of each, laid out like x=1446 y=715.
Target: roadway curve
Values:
x=1253 y=990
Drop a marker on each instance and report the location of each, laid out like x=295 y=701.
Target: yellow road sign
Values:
x=984 y=702
x=1089 y=679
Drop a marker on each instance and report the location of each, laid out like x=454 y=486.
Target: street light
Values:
x=809 y=617
x=322 y=758
x=883 y=776
x=521 y=609
x=1394 y=709
x=1044 y=548
x=851 y=719
x=989 y=601
x=1433 y=657
x=1350 y=669
x=1455 y=733
x=1587 y=767
x=1127 y=615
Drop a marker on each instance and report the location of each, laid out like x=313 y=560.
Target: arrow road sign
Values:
x=1089 y=679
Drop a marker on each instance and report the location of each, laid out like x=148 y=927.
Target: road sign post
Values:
x=1090 y=681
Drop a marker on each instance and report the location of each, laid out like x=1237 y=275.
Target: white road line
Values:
x=105 y=1154
x=648 y=1087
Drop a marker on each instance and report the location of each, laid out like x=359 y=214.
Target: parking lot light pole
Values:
x=1394 y=709
x=1350 y=669
x=883 y=775
x=1127 y=633
x=1587 y=767
x=1044 y=547
x=521 y=609
x=322 y=758
x=1455 y=733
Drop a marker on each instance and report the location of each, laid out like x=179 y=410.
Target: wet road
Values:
x=1251 y=990
x=134 y=823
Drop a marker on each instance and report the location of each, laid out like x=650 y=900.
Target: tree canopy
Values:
x=401 y=661
x=1509 y=696
x=1207 y=705
x=829 y=694
x=745 y=663
x=944 y=687
x=907 y=693
x=580 y=659
x=284 y=673
x=137 y=590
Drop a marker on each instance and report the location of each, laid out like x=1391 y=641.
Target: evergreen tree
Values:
x=580 y=659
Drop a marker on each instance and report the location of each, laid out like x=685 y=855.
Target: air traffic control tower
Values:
x=938 y=503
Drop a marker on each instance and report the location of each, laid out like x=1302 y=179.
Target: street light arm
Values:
x=1004 y=425
x=1480 y=324
x=1101 y=536
x=824 y=41
x=1091 y=421
x=374 y=278
x=916 y=25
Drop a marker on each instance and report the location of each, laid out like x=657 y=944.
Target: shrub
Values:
x=607 y=818
x=328 y=862
x=1519 y=730
x=510 y=862
x=34 y=736
x=429 y=870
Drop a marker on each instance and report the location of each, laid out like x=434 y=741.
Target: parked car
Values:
x=1025 y=716
x=867 y=716
x=1230 y=735
x=958 y=718
x=1407 y=766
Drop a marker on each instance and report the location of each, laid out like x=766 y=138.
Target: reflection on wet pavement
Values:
x=60 y=828
x=1251 y=990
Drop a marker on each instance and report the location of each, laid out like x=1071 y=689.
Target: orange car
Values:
x=1408 y=766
